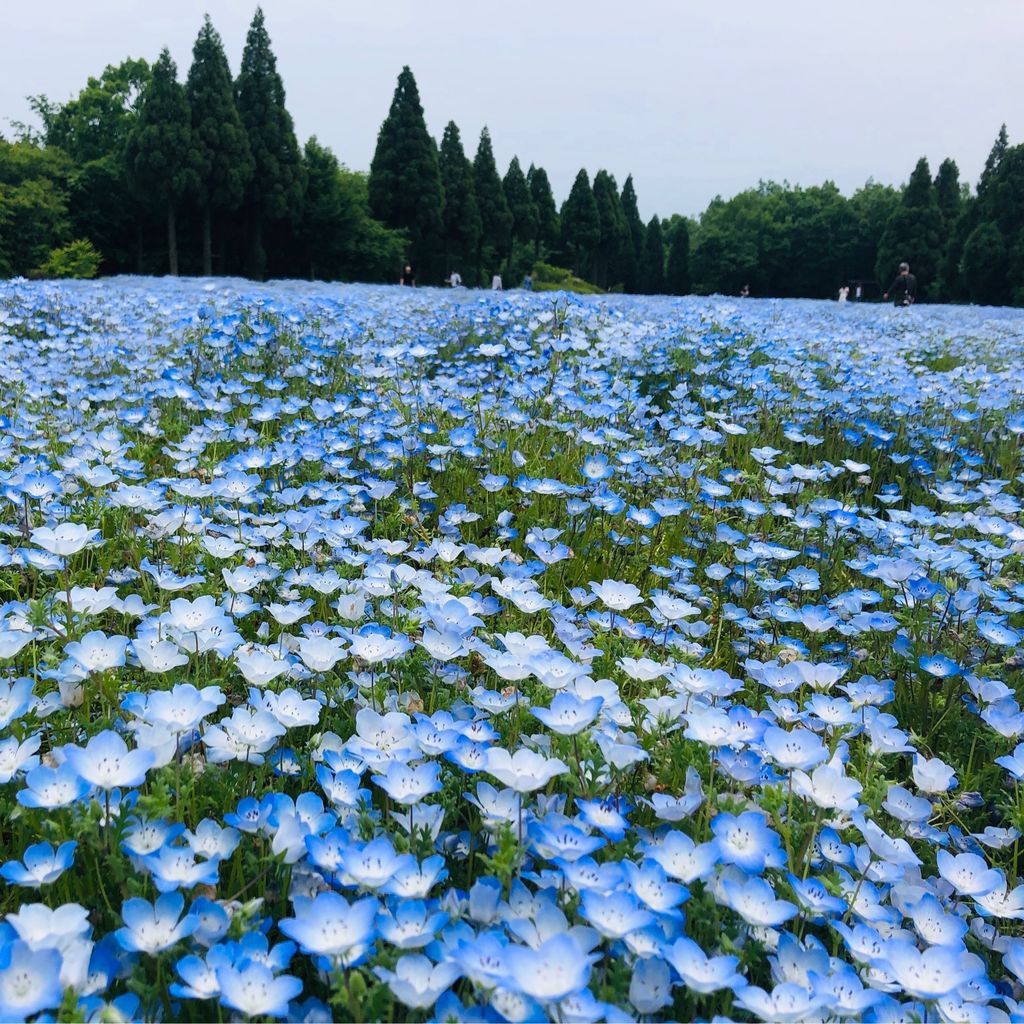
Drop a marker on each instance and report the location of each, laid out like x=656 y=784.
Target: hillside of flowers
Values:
x=391 y=654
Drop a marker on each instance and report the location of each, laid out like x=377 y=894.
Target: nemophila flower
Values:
x=245 y=736
x=157 y=655
x=524 y=771
x=968 y=873
x=18 y=757
x=937 y=926
x=616 y=595
x=256 y=991
x=40 y=864
x=795 y=748
x=568 y=714
x=12 y=641
x=211 y=841
x=684 y=859
x=939 y=665
x=411 y=924
x=97 y=652
x=701 y=972
x=152 y=927
x=754 y=900
x=176 y=867
x=407 y=785
x=289 y=707
x=931 y=974
x=30 y=980
x=53 y=787
x=650 y=883
x=329 y=925
x=374 y=644
x=106 y=762
x=374 y=864
x=65 y=539
x=745 y=840
x=417 y=982
x=786 y=1002
x=551 y=972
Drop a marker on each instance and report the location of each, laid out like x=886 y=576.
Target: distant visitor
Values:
x=528 y=283
x=844 y=293
x=408 y=278
x=454 y=279
x=904 y=289
x=496 y=284
x=745 y=292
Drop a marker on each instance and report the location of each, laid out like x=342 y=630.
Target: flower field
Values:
x=391 y=654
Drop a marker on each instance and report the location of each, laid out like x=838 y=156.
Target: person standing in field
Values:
x=454 y=279
x=408 y=278
x=904 y=289
x=496 y=285
x=844 y=293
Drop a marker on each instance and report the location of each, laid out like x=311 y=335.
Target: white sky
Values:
x=694 y=97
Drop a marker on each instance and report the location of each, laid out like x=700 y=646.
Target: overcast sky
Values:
x=693 y=97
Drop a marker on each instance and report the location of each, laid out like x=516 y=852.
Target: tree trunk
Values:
x=172 y=240
x=207 y=244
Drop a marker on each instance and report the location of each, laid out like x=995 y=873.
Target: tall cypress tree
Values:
x=993 y=160
x=913 y=233
x=581 y=230
x=547 y=212
x=158 y=149
x=274 y=192
x=654 y=259
x=947 y=190
x=520 y=205
x=633 y=244
x=677 y=268
x=219 y=156
x=405 y=180
x=612 y=229
x=461 y=216
x=495 y=217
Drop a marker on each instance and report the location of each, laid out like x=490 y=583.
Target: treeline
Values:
x=144 y=173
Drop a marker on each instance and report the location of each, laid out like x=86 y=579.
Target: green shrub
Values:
x=79 y=258
x=547 y=278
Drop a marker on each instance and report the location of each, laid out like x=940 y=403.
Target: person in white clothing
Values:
x=496 y=285
x=843 y=293
x=454 y=279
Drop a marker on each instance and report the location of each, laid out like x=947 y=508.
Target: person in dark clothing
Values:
x=408 y=278
x=904 y=289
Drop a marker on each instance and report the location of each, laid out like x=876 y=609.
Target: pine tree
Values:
x=913 y=233
x=219 y=156
x=654 y=259
x=947 y=191
x=274 y=192
x=547 y=212
x=581 y=230
x=158 y=149
x=495 y=217
x=613 y=230
x=677 y=269
x=993 y=160
x=633 y=246
x=521 y=206
x=405 y=180
x=461 y=215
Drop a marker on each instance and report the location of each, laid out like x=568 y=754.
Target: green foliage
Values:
x=524 y=213
x=913 y=233
x=548 y=278
x=495 y=216
x=275 y=190
x=76 y=259
x=613 y=232
x=405 y=181
x=653 y=266
x=220 y=161
x=461 y=217
x=581 y=229
x=33 y=205
x=633 y=243
x=547 y=212
x=677 y=267
x=983 y=265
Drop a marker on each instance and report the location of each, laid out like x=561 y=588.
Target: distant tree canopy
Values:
x=147 y=174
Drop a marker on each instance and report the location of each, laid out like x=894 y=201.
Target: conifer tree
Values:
x=654 y=259
x=677 y=268
x=219 y=156
x=993 y=160
x=913 y=233
x=581 y=229
x=613 y=230
x=520 y=203
x=158 y=149
x=405 y=180
x=947 y=191
x=633 y=245
x=461 y=216
x=275 y=190
x=547 y=212
x=495 y=217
